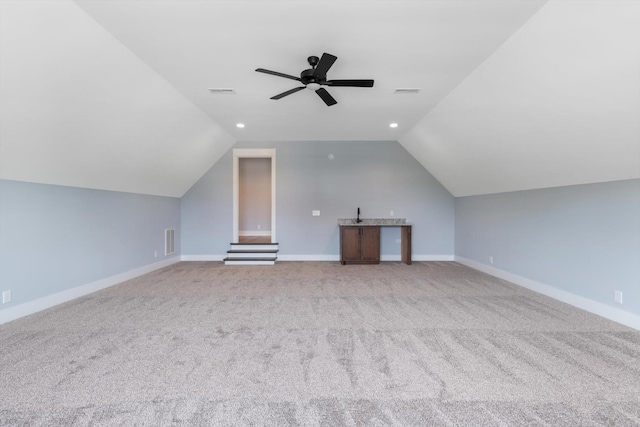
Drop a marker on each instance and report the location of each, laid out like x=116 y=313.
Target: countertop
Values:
x=373 y=222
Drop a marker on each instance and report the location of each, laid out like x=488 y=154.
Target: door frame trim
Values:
x=252 y=153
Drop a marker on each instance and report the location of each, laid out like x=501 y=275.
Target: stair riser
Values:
x=251 y=254
x=235 y=247
x=231 y=262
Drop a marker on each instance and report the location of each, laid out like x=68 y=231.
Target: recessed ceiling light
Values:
x=240 y=125
x=393 y=125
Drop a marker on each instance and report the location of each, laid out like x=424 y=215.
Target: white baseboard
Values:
x=431 y=258
x=280 y=257
x=203 y=257
x=308 y=257
x=31 y=307
x=595 y=307
x=323 y=257
x=418 y=257
x=382 y=258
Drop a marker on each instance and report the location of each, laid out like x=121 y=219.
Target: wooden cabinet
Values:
x=405 y=238
x=359 y=245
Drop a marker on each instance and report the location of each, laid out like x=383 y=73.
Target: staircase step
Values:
x=250 y=251
x=252 y=254
x=250 y=260
x=254 y=246
x=253 y=249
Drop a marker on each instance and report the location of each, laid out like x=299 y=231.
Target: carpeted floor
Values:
x=435 y=343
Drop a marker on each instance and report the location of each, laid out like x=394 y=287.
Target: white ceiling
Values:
x=515 y=94
x=195 y=45
x=558 y=104
x=77 y=108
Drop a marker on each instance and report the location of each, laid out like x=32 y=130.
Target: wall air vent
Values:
x=169 y=241
x=222 y=90
x=407 y=90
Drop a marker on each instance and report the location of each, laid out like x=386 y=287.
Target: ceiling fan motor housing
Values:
x=307 y=77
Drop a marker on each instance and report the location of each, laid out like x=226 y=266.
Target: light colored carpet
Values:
x=434 y=343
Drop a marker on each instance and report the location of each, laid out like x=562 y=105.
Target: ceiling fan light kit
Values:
x=315 y=78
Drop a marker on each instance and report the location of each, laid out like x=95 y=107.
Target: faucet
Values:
x=358 y=220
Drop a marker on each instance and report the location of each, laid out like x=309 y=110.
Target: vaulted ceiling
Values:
x=514 y=94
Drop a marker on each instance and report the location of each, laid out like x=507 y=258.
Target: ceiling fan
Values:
x=316 y=77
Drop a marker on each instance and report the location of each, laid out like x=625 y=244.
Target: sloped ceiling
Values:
x=515 y=94
x=77 y=108
x=557 y=104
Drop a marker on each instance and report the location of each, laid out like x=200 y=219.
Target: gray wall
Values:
x=55 y=238
x=584 y=239
x=254 y=194
x=375 y=176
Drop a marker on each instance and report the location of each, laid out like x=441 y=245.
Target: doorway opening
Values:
x=254 y=196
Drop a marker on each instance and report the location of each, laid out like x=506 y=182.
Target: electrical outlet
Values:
x=6 y=296
x=392 y=213
x=617 y=295
x=155 y=254
x=491 y=259
x=315 y=213
x=258 y=226
x=397 y=240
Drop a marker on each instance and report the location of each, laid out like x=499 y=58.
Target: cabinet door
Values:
x=350 y=243
x=370 y=244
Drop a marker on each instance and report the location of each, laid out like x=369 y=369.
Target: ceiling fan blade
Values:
x=289 y=92
x=351 y=83
x=323 y=66
x=326 y=97
x=275 y=73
